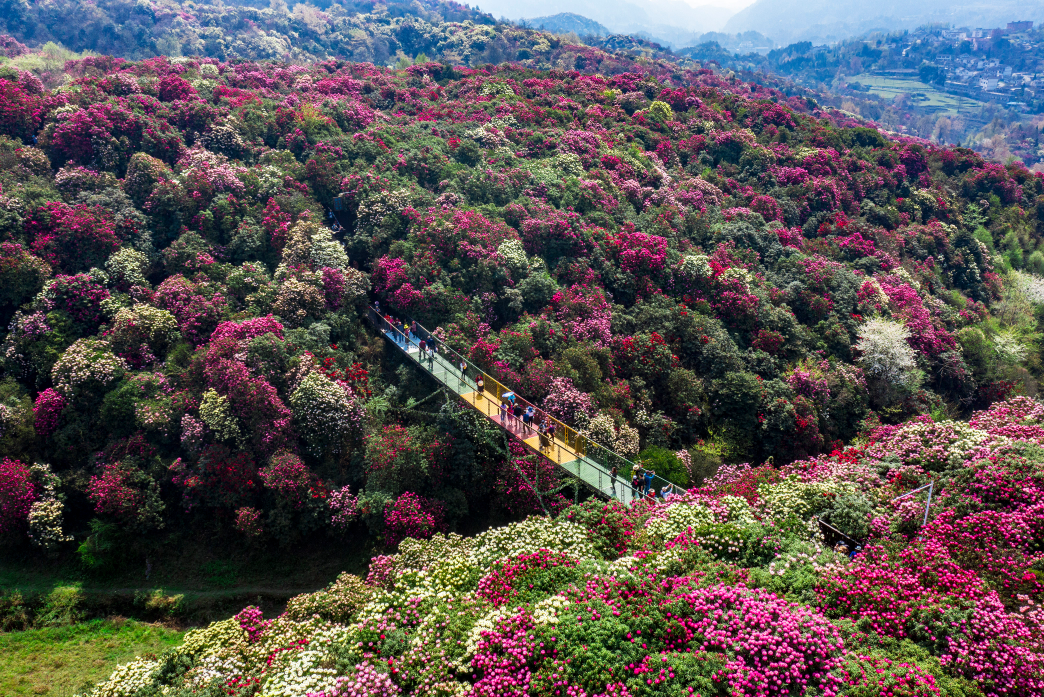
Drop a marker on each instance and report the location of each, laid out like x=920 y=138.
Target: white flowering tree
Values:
x=887 y=359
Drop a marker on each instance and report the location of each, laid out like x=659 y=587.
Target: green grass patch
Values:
x=923 y=94
x=58 y=661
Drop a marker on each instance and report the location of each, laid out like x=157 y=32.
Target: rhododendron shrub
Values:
x=197 y=307
x=47 y=409
x=399 y=459
x=126 y=494
x=539 y=608
x=291 y=481
x=221 y=478
x=73 y=238
x=80 y=297
x=413 y=516
x=22 y=275
x=17 y=494
x=326 y=412
x=19 y=111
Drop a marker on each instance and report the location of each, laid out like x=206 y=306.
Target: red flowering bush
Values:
x=221 y=479
x=529 y=575
x=17 y=494
x=73 y=238
x=126 y=494
x=19 y=111
x=608 y=525
x=291 y=480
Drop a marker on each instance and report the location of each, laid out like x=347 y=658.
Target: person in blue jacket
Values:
x=648 y=480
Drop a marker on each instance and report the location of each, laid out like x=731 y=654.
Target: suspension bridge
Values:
x=579 y=456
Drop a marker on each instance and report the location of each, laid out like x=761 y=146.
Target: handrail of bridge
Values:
x=592 y=453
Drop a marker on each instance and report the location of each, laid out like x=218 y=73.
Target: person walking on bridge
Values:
x=545 y=443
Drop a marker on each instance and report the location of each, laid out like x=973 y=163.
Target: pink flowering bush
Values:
x=567 y=403
x=869 y=676
x=248 y=522
x=413 y=516
x=197 y=307
x=47 y=409
x=288 y=477
x=79 y=296
x=342 y=507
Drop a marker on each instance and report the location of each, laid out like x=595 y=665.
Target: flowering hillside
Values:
x=695 y=271
x=725 y=591
x=690 y=268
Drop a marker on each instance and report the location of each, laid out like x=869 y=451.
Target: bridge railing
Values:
x=594 y=454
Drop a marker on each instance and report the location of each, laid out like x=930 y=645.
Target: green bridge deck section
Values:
x=571 y=450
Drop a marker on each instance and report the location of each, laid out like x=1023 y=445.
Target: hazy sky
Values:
x=734 y=5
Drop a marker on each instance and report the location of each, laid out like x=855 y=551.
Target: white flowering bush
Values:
x=1009 y=347
x=695 y=267
x=937 y=447
x=127 y=679
x=325 y=413
x=679 y=518
x=381 y=204
x=308 y=670
x=627 y=441
x=216 y=413
x=326 y=251
x=127 y=267
x=45 y=524
x=514 y=254
x=533 y=534
x=356 y=286
x=87 y=366
x=336 y=603
x=803 y=499
x=144 y=324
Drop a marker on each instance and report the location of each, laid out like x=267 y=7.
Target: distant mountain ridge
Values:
x=669 y=22
x=829 y=21
x=569 y=22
